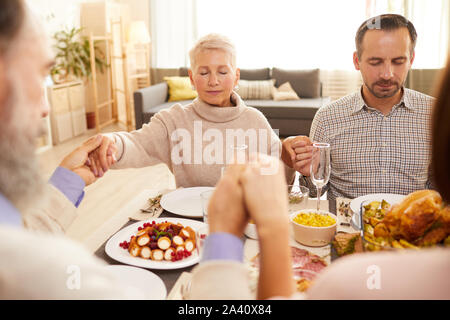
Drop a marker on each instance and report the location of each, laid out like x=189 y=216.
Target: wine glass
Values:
x=238 y=153
x=235 y=153
x=320 y=167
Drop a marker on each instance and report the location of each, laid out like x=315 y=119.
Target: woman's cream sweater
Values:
x=195 y=140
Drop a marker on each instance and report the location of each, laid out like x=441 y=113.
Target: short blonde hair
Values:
x=213 y=41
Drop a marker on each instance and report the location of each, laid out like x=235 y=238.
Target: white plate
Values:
x=185 y=201
x=113 y=249
x=146 y=281
x=355 y=204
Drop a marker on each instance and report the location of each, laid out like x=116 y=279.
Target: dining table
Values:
x=176 y=279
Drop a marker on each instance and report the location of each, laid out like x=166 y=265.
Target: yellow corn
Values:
x=314 y=220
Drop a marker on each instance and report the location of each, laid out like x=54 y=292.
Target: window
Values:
x=300 y=34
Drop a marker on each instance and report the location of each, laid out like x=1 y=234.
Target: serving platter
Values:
x=116 y=252
x=355 y=204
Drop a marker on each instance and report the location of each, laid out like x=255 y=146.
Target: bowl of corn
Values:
x=312 y=228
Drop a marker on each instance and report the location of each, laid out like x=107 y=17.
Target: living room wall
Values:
x=57 y=14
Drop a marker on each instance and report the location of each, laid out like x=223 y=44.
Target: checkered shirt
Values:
x=373 y=153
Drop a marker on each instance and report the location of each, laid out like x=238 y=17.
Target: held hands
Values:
x=265 y=195
x=248 y=191
x=226 y=210
x=245 y=192
x=87 y=159
x=297 y=154
x=102 y=158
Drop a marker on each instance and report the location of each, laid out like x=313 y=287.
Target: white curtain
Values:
x=173 y=32
x=291 y=34
x=295 y=34
x=431 y=19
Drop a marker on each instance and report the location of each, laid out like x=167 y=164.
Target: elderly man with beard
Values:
x=37 y=261
x=380 y=136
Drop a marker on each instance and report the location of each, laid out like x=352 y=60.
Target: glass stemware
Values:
x=320 y=168
x=238 y=154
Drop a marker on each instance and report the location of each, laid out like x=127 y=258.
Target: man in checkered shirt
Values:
x=380 y=136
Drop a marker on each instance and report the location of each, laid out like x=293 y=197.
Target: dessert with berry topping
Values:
x=161 y=241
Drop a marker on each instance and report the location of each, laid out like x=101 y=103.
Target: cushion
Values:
x=284 y=92
x=157 y=74
x=306 y=83
x=183 y=72
x=180 y=88
x=258 y=89
x=255 y=74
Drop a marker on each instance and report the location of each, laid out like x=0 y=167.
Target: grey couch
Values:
x=292 y=117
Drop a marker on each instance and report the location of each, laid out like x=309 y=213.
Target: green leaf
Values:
x=73 y=53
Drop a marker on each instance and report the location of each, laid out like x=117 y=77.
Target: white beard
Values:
x=20 y=179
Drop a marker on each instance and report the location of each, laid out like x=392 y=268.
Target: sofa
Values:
x=290 y=117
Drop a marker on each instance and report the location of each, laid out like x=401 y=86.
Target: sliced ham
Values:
x=304 y=274
x=315 y=265
x=302 y=262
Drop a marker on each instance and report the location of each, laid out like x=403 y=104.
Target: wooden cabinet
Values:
x=67 y=110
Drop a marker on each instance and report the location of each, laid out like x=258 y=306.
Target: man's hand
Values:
x=226 y=210
x=297 y=153
x=102 y=158
x=78 y=160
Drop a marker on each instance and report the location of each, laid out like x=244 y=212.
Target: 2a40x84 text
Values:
x=226 y=310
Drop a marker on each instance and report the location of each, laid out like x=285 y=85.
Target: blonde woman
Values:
x=195 y=141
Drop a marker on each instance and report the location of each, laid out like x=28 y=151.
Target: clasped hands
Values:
x=297 y=154
x=245 y=192
x=248 y=192
x=92 y=159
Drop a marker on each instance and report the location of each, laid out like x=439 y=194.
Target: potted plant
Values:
x=73 y=61
x=73 y=56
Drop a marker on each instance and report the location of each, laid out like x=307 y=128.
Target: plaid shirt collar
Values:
x=404 y=101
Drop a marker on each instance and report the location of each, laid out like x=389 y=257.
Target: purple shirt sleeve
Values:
x=223 y=246
x=8 y=213
x=69 y=183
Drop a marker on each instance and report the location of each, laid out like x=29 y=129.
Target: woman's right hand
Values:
x=102 y=158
